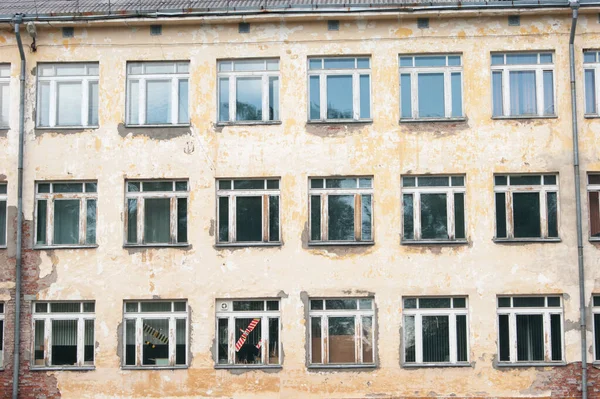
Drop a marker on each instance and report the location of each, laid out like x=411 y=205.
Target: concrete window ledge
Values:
x=593 y=240
x=526 y=240
x=340 y=122
x=341 y=367
x=248 y=123
x=340 y=243
x=434 y=242
x=165 y=126
x=154 y=367
x=518 y=118
x=50 y=247
x=248 y=367
x=587 y=116
x=57 y=368
x=182 y=245
x=433 y=120
x=531 y=364
x=224 y=245
x=435 y=365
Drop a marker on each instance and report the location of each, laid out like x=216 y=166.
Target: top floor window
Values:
x=157 y=93
x=67 y=95
x=431 y=87
x=594 y=203
x=523 y=84
x=4 y=94
x=3 y=219
x=248 y=90
x=339 y=89
x=591 y=70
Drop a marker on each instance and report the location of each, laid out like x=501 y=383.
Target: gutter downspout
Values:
x=582 y=297
x=16 y=363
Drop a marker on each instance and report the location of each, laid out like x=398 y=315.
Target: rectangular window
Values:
x=594 y=205
x=341 y=210
x=248 y=90
x=248 y=211
x=431 y=87
x=4 y=95
x=591 y=71
x=433 y=208
x=63 y=334
x=342 y=331
x=339 y=89
x=248 y=332
x=156 y=212
x=66 y=213
x=526 y=207
x=67 y=95
x=436 y=330
x=596 y=313
x=530 y=329
x=2 y=334
x=157 y=93
x=523 y=84
x=156 y=333
x=3 y=215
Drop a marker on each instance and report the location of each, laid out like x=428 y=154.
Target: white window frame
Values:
x=447 y=70
x=141 y=195
x=91 y=76
x=3 y=350
x=265 y=74
x=48 y=317
x=323 y=73
x=139 y=316
x=451 y=313
x=5 y=83
x=449 y=190
x=142 y=79
x=357 y=314
x=539 y=69
x=4 y=198
x=51 y=197
x=590 y=189
x=595 y=68
x=543 y=190
x=595 y=312
x=225 y=310
x=324 y=193
x=264 y=193
x=545 y=311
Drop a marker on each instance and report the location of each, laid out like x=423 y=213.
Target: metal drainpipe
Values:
x=15 y=387
x=582 y=299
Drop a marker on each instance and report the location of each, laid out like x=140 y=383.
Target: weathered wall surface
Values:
x=294 y=151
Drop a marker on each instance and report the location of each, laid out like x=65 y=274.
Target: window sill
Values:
x=592 y=239
x=45 y=247
x=434 y=242
x=586 y=116
x=249 y=123
x=525 y=240
x=248 y=366
x=531 y=364
x=425 y=120
x=434 y=365
x=48 y=128
x=340 y=366
x=3 y=247
x=517 y=117
x=167 y=125
x=63 y=368
x=157 y=245
x=340 y=243
x=154 y=367
x=247 y=244
x=340 y=122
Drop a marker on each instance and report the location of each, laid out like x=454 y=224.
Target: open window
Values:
x=63 y=334
x=594 y=205
x=248 y=332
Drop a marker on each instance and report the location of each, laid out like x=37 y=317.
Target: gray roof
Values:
x=88 y=9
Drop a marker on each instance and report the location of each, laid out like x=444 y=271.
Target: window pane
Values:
x=552 y=214
x=248 y=218
x=459 y=215
x=223 y=219
x=526 y=215
x=434 y=303
x=272 y=305
x=44 y=104
x=180 y=341
x=339 y=63
x=67 y=188
x=182 y=220
x=431 y=95
x=405 y=95
x=316 y=304
x=594 y=199
x=458 y=181
x=597 y=335
x=590 y=91
x=181 y=186
x=365 y=96
x=315 y=217
x=158 y=186
x=434 y=218
x=131 y=307
x=272 y=184
x=340 y=183
x=39 y=343
x=366 y=218
x=406 y=61
x=41 y=221
x=70 y=69
x=504 y=302
x=436 y=339
x=130 y=342
x=409 y=181
x=528 y=301
x=410 y=303
x=409 y=339
x=459 y=303
x=248 y=99
x=589 y=56
x=556 y=336
x=4 y=105
x=461 y=338
x=273 y=99
x=433 y=181
x=497 y=94
x=337 y=304
x=90 y=227
x=155 y=350
x=273 y=349
x=455 y=81
x=365 y=182
x=526 y=180
x=548 y=93
x=339 y=97
x=88 y=342
x=408 y=217
x=68 y=112
x=522 y=93
x=91 y=187
x=430 y=61
x=341 y=340
x=315 y=63
x=2 y=223
x=546 y=58
x=315 y=97
x=224 y=99
x=500 y=215
x=158 y=101
x=159 y=67
x=157 y=220
x=247 y=341
x=315 y=339
x=245 y=306
x=550 y=179
x=131 y=221
x=66 y=222
x=64 y=342
x=365 y=303
x=522 y=58
x=249 y=65
x=183 y=113
x=341 y=217
x=155 y=306
x=248 y=184
x=454 y=60
x=134 y=102
x=367 y=339
x=223 y=334
x=503 y=337
x=273 y=218
x=93 y=104
x=530 y=338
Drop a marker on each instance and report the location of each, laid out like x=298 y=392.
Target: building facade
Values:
x=301 y=202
